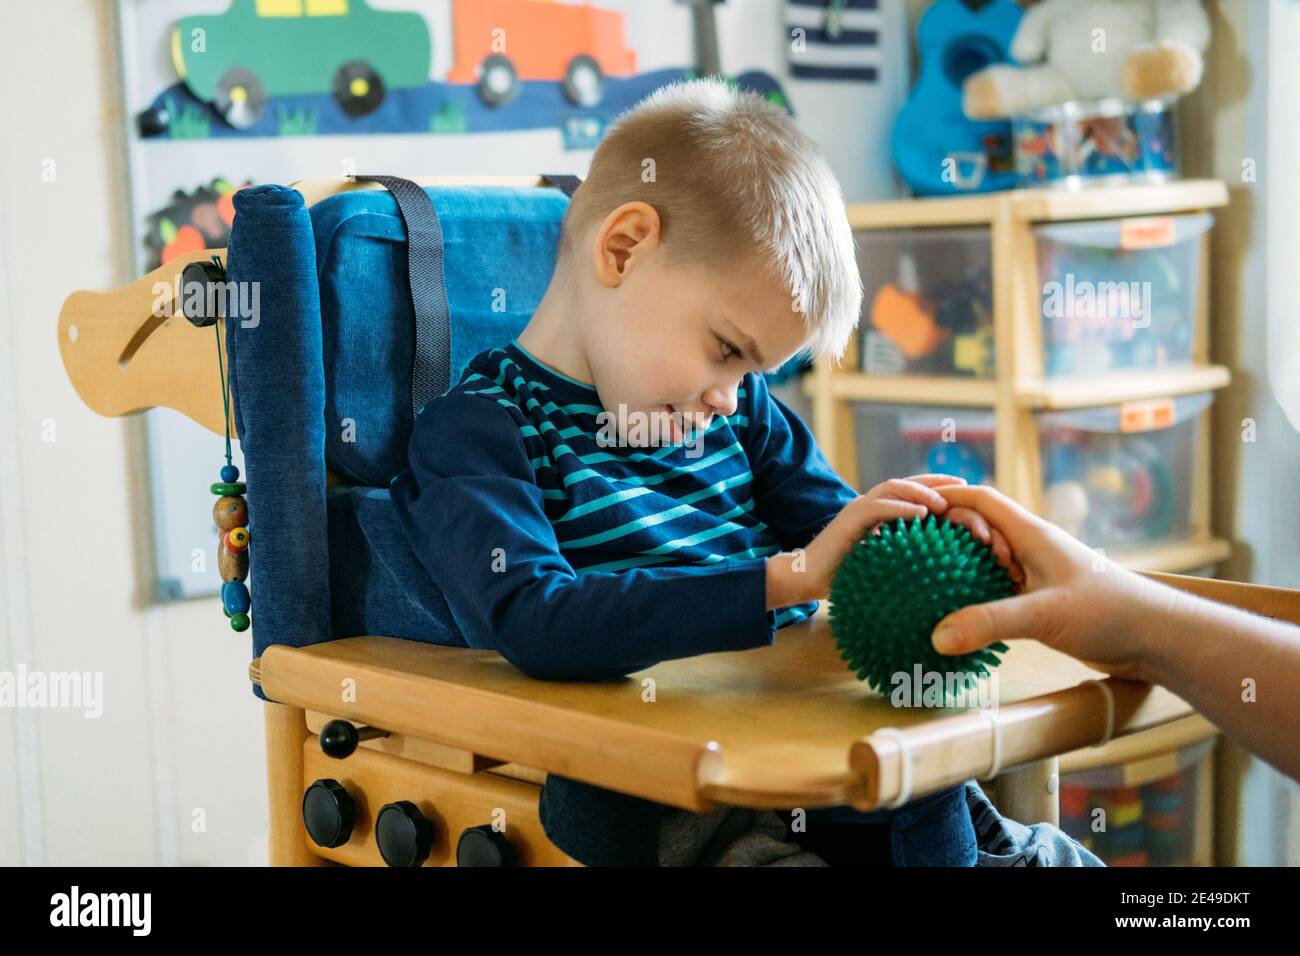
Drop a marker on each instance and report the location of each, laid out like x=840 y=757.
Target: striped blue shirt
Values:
x=579 y=559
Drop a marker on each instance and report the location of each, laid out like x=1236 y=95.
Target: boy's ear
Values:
x=629 y=232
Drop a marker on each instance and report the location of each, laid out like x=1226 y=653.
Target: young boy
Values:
x=616 y=487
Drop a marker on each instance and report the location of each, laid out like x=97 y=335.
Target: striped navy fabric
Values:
x=834 y=39
x=615 y=557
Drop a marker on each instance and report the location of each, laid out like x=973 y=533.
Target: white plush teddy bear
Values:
x=1091 y=50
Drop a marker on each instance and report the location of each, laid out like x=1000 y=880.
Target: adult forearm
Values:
x=1238 y=669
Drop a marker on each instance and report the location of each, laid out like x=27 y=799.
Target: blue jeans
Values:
x=933 y=831
x=599 y=827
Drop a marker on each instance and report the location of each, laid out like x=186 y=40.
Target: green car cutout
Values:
x=262 y=48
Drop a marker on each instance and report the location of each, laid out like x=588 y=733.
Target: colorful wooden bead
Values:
x=230 y=515
x=237 y=539
x=229 y=512
x=234 y=598
x=232 y=565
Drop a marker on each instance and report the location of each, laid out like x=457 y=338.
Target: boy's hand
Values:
x=920 y=489
x=807 y=575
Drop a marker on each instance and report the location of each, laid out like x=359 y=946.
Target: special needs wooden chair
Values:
x=373 y=702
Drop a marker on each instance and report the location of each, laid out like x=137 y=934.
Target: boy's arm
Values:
x=796 y=492
x=470 y=506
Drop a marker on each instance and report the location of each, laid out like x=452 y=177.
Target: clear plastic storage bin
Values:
x=1117 y=477
x=1120 y=476
x=928 y=302
x=1130 y=816
x=895 y=441
x=1119 y=294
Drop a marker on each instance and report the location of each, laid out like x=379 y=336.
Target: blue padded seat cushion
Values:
x=499 y=245
x=377 y=584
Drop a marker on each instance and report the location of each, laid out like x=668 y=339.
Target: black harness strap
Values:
x=431 y=356
x=565 y=184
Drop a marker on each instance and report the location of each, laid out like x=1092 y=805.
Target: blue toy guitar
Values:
x=938 y=151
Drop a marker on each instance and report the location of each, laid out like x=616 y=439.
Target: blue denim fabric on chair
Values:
x=321 y=378
x=499 y=253
x=278 y=390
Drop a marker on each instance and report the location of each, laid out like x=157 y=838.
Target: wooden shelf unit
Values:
x=1019 y=389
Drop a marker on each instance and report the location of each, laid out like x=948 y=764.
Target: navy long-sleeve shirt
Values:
x=576 y=559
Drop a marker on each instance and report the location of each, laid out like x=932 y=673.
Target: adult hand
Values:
x=1074 y=599
x=914 y=497
x=920 y=489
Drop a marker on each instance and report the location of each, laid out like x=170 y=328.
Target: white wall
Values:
x=178 y=729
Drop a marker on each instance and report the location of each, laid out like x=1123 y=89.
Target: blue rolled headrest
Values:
x=278 y=391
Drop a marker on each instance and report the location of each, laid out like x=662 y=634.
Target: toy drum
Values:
x=1079 y=145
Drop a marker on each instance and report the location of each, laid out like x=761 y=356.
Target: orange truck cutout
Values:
x=498 y=43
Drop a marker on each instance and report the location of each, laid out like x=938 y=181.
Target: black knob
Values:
x=338 y=738
x=329 y=812
x=404 y=834
x=484 y=846
x=201 y=298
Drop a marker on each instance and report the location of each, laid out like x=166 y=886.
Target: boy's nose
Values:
x=722 y=400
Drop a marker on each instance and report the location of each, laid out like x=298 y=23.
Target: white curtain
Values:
x=1283 y=248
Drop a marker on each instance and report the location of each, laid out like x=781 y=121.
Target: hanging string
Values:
x=230 y=513
x=225 y=389
x=225 y=381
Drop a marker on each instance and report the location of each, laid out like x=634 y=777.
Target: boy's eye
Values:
x=727 y=345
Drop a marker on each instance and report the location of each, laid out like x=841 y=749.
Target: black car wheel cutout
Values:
x=358 y=89
x=240 y=97
x=498 y=80
x=584 y=83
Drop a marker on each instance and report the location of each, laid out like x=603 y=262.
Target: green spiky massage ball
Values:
x=894 y=587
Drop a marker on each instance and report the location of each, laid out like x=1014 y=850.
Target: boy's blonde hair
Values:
x=732 y=178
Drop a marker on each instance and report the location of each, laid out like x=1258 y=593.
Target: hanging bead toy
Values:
x=230 y=512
